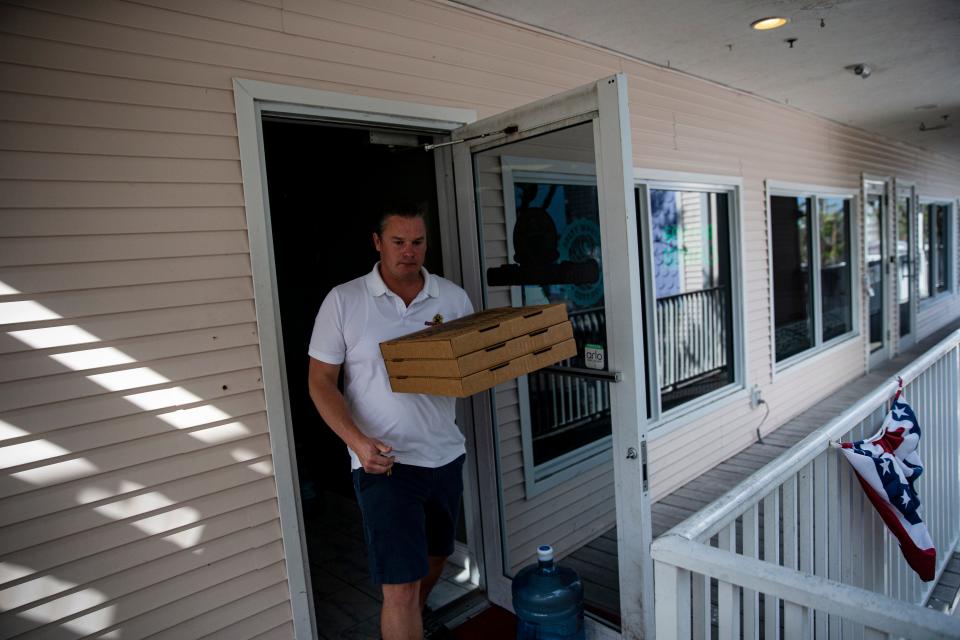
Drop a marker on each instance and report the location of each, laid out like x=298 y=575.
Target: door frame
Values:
x=604 y=103
x=252 y=98
x=909 y=188
x=888 y=234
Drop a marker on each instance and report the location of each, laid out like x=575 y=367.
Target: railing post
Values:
x=701 y=606
x=728 y=594
x=792 y=613
x=805 y=530
x=771 y=554
x=820 y=534
x=751 y=549
x=834 y=532
x=671 y=601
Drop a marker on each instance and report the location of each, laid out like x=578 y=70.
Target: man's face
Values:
x=402 y=247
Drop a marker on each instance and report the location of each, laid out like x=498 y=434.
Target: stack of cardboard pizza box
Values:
x=479 y=351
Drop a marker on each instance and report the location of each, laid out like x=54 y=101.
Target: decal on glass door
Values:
x=593 y=356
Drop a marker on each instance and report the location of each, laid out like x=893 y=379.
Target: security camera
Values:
x=863 y=70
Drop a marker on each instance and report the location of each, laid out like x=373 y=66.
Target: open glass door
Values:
x=546 y=213
x=906 y=265
x=876 y=219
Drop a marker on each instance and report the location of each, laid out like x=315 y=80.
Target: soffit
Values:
x=912 y=47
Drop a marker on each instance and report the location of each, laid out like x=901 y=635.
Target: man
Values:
x=406 y=451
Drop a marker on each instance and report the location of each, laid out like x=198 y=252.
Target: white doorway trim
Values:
x=907 y=189
x=880 y=185
x=250 y=98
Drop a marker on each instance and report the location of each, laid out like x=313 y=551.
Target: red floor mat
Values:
x=493 y=623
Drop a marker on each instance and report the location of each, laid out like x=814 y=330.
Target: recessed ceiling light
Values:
x=765 y=24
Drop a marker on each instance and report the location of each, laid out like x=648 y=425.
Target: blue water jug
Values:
x=548 y=600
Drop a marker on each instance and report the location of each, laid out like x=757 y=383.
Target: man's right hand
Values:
x=372 y=453
x=373 y=456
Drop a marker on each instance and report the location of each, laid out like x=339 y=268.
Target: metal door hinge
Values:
x=643 y=464
x=632 y=455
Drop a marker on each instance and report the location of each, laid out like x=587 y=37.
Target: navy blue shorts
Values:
x=407 y=516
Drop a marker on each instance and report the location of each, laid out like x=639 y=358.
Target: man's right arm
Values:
x=332 y=406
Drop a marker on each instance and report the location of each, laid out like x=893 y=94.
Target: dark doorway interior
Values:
x=325 y=184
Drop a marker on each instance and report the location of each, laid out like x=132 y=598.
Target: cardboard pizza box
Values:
x=473 y=333
x=487 y=378
x=485 y=358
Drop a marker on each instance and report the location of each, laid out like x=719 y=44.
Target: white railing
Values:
x=797 y=551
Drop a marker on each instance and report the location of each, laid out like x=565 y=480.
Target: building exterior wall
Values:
x=139 y=489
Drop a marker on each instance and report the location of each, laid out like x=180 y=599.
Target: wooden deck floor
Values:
x=596 y=562
x=947 y=592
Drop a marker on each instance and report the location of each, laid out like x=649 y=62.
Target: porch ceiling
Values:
x=913 y=48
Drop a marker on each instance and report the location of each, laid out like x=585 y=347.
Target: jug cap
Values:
x=545 y=553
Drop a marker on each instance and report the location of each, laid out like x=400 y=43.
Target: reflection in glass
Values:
x=567 y=411
x=691 y=260
x=835 y=295
x=873 y=226
x=939 y=219
x=934 y=270
x=538 y=223
x=792 y=286
x=904 y=263
x=925 y=267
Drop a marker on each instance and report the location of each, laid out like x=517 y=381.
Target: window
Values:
x=792 y=278
x=550 y=224
x=933 y=221
x=811 y=246
x=689 y=291
x=567 y=410
x=835 y=267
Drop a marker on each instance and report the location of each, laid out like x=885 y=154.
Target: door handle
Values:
x=583 y=372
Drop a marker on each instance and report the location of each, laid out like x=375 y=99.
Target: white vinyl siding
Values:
x=123 y=216
x=138 y=488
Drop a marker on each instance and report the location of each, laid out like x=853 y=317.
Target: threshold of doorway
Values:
x=471 y=617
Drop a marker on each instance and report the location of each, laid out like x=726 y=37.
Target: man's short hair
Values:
x=402 y=209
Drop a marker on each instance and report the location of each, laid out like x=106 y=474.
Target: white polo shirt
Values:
x=353 y=320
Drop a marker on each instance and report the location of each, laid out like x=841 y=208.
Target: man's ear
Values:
x=376 y=241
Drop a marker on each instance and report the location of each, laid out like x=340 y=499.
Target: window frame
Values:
x=950 y=243
x=660 y=421
x=549 y=474
x=815 y=192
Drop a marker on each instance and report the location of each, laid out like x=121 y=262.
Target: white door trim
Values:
x=888 y=235
x=909 y=189
x=619 y=237
x=250 y=97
